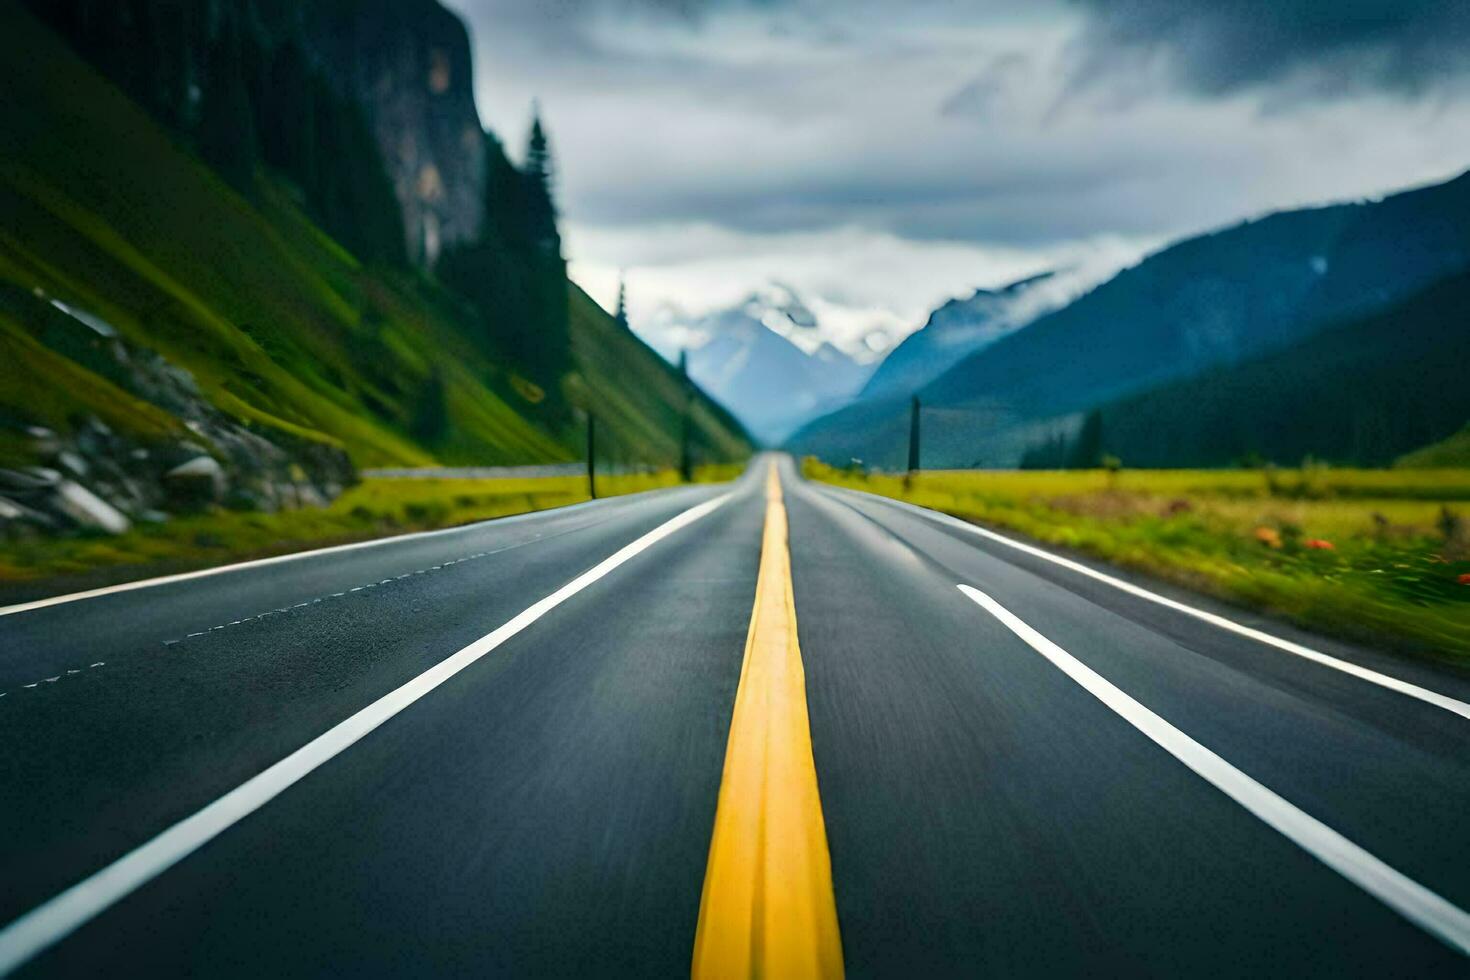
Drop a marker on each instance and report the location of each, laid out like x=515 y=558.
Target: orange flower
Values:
x=1318 y=544
x=1464 y=579
x=1268 y=536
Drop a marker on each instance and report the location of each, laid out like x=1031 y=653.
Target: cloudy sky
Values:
x=882 y=155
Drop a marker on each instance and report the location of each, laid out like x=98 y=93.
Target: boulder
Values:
x=29 y=481
x=14 y=513
x=196 y=482
x=86 y=509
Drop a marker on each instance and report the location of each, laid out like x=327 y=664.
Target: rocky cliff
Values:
x=408 y=64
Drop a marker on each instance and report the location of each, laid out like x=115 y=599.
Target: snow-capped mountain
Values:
x=765 y=359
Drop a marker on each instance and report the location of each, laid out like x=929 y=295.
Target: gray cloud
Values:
x=930 y=126
x=1308 y=49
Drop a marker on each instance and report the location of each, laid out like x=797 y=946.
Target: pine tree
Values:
x=550 y=348
x=227 y=123
x=503 y=221
x=539 y=176
x=431 y=421
x=290 y=144
x=349 y=189
x=621 y=316
x=1087 y=451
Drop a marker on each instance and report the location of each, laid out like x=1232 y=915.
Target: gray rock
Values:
x=196 y=482
x=13 y=512
x=43 y=440
x=197 y=468
x=73 y=463
x=30 y=480
x=86 y=509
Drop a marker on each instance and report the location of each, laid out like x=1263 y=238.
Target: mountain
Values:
x=407 y=63
x=1363 y=392
x=1212 y=300
x=955 y=330
x=764 y=359
x=155 y=315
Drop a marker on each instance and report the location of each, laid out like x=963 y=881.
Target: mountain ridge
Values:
x=1212 y=299
x=953 y=330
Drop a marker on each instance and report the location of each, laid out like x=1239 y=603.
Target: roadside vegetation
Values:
x=1379 y=556
x=375 y=508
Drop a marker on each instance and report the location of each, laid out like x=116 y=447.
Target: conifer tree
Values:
x=621 y=316
x=1087 y=451
x=227 y=121
x=539 y=173
x=550 y=348
x=290 y=145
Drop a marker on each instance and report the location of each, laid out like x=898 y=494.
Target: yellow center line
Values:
x=767 y=908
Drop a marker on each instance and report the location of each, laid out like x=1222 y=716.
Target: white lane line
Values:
x=56 y=918
x=1316 y=656
x=1405 y=896
x=296 y=555
x=388 y=581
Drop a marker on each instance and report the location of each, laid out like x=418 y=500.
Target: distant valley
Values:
x=764 y=358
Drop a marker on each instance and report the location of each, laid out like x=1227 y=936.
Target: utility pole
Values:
x=913 y=442
x=591 y=455
x=686 y=465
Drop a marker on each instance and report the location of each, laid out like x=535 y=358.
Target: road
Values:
x=733 y=729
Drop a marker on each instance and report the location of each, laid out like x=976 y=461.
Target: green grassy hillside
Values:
x=1454 y=451
x=638 y=396
x=280 y=327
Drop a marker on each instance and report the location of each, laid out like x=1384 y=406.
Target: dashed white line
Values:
x=1413 y=901
x=295 y=556
x=70 y=671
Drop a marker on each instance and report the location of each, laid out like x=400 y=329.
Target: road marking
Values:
x=387 y=581
x=58 y=917
x=1405 y=896
x=149 y=583
x=768 y=907
x=1347 y=667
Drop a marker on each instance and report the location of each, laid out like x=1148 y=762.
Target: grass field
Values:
x=1380 y=556
x=373 y=508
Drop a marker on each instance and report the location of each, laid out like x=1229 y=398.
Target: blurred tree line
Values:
x=1361 y=393
x=515 y=274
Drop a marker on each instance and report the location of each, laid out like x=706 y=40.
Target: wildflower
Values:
x=1464 y=579
x=1318 y=544
x=1268 y=536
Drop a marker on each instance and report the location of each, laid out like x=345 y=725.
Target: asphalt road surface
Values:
x=500 y=750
